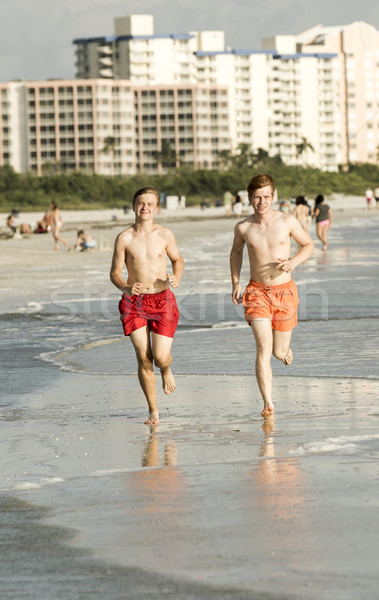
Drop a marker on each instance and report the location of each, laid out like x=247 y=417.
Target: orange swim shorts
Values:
x=158 y=311
x=275 y=302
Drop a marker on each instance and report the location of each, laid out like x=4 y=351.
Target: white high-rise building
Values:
x=135 y=52
x=311 y=99
x=281 y=100
x=357 y=49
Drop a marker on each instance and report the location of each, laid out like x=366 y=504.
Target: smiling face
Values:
x=261 y=200
x=145 y=206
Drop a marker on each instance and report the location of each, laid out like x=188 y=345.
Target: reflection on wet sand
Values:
x=282 y=499
x=281 y=475
x=150 y=456
x=158 y=487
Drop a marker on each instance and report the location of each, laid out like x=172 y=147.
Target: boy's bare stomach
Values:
x=154 y=287
x=269 y=274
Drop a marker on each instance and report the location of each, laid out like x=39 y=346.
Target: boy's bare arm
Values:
x=305 y=251
x=236 y=257
x=118 y=262
x=176 y=259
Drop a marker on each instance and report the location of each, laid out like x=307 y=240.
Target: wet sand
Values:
x=214 y=502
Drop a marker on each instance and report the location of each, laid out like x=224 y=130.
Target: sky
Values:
x=36 y=35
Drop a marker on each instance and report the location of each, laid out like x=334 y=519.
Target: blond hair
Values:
x=146 y=190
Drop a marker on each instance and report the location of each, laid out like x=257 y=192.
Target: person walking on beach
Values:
x=270 y=299
x=369 y=196
x=237 y=205
x=376 y=194
x=324 y=219
x=56 y=224
x=148 y=308
x=228 y=200
x=301 y=212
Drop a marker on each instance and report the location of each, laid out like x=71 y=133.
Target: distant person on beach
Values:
x=11 y=223
x=44 y=225
x=376 y=194
x=301 y=212
x=270 y=298
x=285 y=206
x=324 y=219
x=228 y=200
x=369 y=196
x=85 y=242
x=148 y=308
x=22 y=228
x=56 y=224
x=237 y=205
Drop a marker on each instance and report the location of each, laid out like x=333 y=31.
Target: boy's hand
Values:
x=136 y=288
x=285 y=264
x=236 y=294
x=172 y=280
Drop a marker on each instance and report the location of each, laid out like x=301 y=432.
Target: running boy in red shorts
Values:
x=270 y=299
x=148 y=308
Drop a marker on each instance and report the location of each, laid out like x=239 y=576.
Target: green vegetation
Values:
x=71 y=191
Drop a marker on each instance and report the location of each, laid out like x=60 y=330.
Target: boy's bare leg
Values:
x=281 y=346
x=161 y=349
x=264 y=341
x=146 y=376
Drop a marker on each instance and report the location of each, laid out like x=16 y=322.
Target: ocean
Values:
x=93 y=505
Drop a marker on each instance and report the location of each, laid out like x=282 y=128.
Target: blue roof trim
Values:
x=117 y=38
x=235 y=52
x=305 y=55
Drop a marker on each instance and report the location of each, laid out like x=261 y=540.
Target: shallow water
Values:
x=209 y=505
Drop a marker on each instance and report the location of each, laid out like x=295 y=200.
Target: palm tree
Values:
x=244 y=156
x=303 y=147
x=166 y=157
x=225 y=159
x=109 y=147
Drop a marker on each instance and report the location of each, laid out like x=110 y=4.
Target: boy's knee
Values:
x=264 y=350
x=162 y=361
x=145 y=361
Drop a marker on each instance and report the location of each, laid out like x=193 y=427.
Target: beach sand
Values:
x=214 y=502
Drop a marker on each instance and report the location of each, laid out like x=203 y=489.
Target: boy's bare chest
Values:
x=151 y=248
x=269 y=236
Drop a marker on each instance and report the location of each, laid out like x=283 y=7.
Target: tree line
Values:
x=75 y=190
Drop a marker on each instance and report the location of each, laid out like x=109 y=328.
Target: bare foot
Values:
x=153 y=418
x=268 y=411
x=168 y=382
x=325 y=247
x=289 y=358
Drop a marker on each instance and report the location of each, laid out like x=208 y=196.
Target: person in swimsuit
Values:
x=324 y=218
x=270 y=299
x=56 y=224
x=301 y=212
x=85 y=242
x=369 y=196
x=148 y=308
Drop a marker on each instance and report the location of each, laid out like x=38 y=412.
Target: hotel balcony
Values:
x=106 y=73
x=105 y=49
x=106 y=60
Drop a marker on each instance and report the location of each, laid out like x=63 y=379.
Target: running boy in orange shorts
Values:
x=148 y=308
x=270 y=298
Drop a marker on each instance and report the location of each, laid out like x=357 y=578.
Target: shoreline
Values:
x=344 y=207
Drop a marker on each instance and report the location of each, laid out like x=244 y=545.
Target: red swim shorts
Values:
x=275 y=302
x=158 y=311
